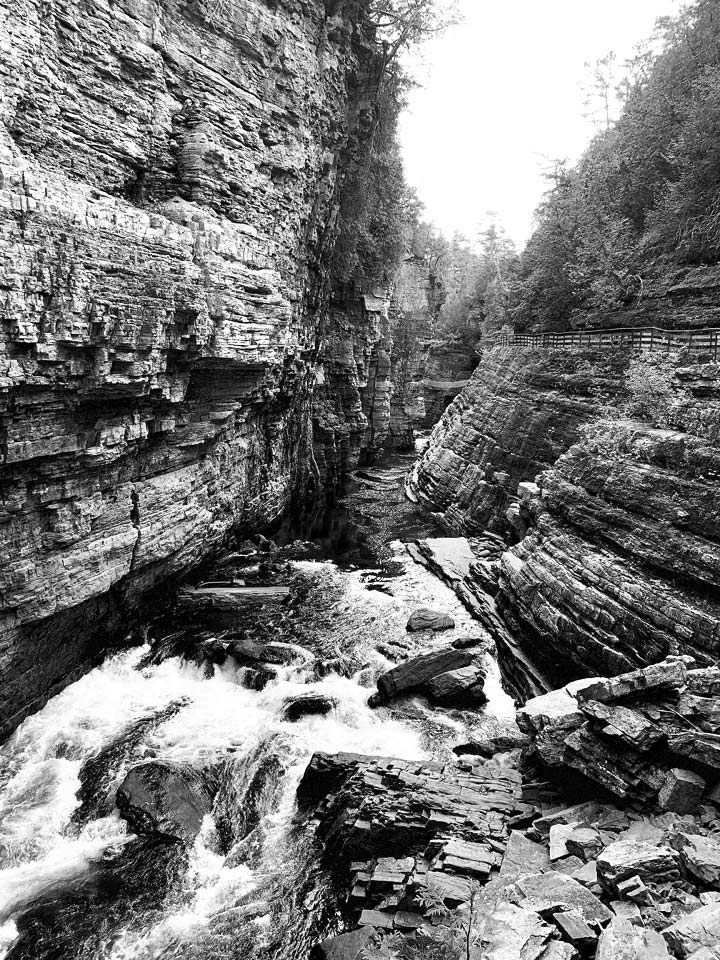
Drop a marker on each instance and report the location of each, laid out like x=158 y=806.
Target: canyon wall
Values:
x=519 y=412
x=616 y=529
x=169 y=175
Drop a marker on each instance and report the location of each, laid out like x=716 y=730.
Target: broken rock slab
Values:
x=614 y=766
x=703 y=748
x=627 y=859
x=523 y=856
x=448 y=557
x=698 y=929
x=624 y=724
x=658 y=677
x=623 y=940
x=701 y=857
x=550 y=893
x=510 y=932
x=550 y=718
x=681 y=792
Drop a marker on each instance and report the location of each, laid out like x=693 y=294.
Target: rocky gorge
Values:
x=283 y=677
x=179 y=360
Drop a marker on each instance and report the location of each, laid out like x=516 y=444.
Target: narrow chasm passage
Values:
x=149 y=810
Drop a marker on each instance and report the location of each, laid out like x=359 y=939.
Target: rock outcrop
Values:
x=520 y=411
x=620 y=566
x=437 y=855
x=614 y=520
x=170 y=367
x=648 y=736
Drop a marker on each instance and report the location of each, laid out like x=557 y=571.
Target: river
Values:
x=75 y=883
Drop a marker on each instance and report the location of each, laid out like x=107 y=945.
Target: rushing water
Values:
x=74 y=883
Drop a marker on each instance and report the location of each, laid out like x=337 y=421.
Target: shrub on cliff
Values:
x=654 y=392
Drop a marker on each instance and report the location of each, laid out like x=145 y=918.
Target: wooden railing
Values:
x=705 y=340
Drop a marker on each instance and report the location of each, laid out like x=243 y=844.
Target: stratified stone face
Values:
x=167 y=180
x=616 y=522
x=620 y=567
x=518 y=414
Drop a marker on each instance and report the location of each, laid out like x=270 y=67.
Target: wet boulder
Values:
x=458 y=687
x=249 y=652
x=257 y=678
x=426 y=619
x=167 y=798
x=245 y=651
x=348 y=946
x=412 y=676
x=249 y=788
x=305 y=704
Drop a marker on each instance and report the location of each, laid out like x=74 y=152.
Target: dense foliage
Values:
x=645 y=196
x=377 y=209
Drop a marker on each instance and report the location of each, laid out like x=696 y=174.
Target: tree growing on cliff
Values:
x=404 y=23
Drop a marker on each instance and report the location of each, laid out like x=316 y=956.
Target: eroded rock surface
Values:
x=167 y=798
x=632 y=740
x=167 y=214
x=614 y=521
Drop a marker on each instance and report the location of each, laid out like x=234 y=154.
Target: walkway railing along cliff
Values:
x=705 y=340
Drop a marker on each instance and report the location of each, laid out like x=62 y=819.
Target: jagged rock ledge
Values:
x=431 y=852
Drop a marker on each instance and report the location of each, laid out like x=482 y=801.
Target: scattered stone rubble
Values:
x=630 y=877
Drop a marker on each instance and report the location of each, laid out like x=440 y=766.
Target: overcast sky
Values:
x=502 y=93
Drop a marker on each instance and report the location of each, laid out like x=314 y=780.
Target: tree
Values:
x=601 y=100
x=404 y=23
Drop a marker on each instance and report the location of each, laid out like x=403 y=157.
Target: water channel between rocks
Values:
x=75 y=883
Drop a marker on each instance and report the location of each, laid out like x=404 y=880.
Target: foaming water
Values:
x=214 y=902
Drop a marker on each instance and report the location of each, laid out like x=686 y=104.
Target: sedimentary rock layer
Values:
x=621 y=567
x=617 y=563
x=167 y=199
x=519 y=412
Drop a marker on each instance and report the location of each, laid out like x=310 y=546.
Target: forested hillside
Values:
x=641 y=209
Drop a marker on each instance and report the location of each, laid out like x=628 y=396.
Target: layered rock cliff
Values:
x=169 y=175
x=617 y=560
x=518 y=413
x=620 y=567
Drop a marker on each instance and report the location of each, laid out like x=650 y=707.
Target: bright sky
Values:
x=502 y=93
